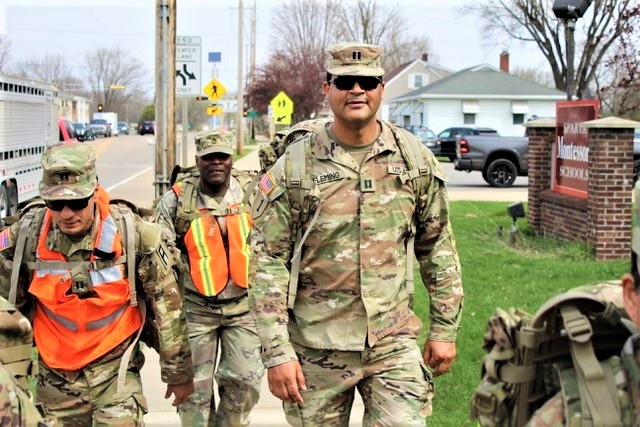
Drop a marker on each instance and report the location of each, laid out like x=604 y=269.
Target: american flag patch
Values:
x=266 y=183
x=5 y=239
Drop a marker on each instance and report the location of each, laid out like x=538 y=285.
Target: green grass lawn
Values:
x=496 y=273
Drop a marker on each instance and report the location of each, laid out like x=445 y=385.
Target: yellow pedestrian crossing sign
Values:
x=214 y=90
x=214 y=110
x=282 y=109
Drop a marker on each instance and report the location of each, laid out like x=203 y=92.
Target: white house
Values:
x=480 y=96
x=408 y=77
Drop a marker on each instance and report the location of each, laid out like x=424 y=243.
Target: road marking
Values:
x=131 y=178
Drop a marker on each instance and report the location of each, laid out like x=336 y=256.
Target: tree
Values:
x=5 y=55
x=618 y=86
x=49 y=68
x=382 y=24
x=300 y=82
x=114 y=77
x=534 y=21
x=297 y=63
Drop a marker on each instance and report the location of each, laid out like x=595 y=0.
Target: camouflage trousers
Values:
x=393 y=381
x=226 y=335
x=89 y=397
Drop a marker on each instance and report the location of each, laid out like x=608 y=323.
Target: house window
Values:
x=469 y=119
x=417 y=80
x=518 y=119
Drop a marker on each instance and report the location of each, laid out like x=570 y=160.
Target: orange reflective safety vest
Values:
x=71 y=332
x=210 y=264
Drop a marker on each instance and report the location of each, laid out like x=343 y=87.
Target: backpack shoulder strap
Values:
x=31 y=218
x=187 y=205
x=126 y=225
x=299 y=183
x=416 y=174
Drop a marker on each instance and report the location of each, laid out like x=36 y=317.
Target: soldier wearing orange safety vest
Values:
x=207 y=213
x=85 y=271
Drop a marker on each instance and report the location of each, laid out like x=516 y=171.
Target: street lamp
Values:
x=569 y=11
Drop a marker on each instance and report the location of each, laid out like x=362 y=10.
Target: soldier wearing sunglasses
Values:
x=85 y=272
x=348 y=322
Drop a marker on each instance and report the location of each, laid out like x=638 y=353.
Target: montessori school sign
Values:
x=570 y=157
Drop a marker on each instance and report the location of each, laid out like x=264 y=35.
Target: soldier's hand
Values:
x=286 y=381
x=439 y=356
x=180 y=392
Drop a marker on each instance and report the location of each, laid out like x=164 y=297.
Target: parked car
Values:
x=147 y=127
x=429 y=139
x=66 y=131
x=100 y=127
x=123 y=128
x=449 y=136
x=83 y=132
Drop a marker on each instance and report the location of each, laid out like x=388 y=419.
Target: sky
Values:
x=71 y=28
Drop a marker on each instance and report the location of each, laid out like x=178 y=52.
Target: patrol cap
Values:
x=213 y=141
x=68 y=172
x=355 y=59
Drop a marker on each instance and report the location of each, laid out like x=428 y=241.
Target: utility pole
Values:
x=240 y=99
x=165 y=96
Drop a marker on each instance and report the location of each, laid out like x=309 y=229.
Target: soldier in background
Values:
x=207 y=214
x=16 y=344
x=74 y=268
x=553 y=412
x=349 y=324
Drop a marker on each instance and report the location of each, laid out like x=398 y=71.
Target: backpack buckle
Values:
x=576 y=325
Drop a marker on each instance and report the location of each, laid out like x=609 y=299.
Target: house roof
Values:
x=482 y=81
x=435 y=69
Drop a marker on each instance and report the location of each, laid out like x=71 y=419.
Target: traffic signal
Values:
x=244 y=113
x=100 y=108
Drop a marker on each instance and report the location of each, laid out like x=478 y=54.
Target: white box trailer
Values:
x=28 y=124
x=111 y=118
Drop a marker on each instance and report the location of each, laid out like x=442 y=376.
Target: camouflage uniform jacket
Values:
x=352 y=289
x=155 y=273
x=166 y=215
x=553 y=412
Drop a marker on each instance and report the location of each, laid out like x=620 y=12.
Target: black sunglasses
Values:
x=74 y=205
x=347 y=82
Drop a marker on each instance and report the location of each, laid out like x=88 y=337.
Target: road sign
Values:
x=214 y=90
x=214 y=110
x=188 y=66
x=282 y=108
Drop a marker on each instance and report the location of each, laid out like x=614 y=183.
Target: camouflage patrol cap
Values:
x=68 y=172
x=355 y=59
x=213 y=141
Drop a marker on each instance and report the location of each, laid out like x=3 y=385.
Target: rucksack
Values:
x=305 y=208
x=570 y=345
x=32 y=216
x=16 y=366
x=188 y=178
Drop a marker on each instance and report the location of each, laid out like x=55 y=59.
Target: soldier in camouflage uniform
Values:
x=351 y=324
x=16 y=340
x=214 y=241
x=552 y=413
x=73 y=280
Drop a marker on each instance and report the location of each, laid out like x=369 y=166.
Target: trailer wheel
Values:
x=4 y=202
x=12 y=196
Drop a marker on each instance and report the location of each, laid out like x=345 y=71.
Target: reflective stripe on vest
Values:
x=70 y=331
x=209 y=263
